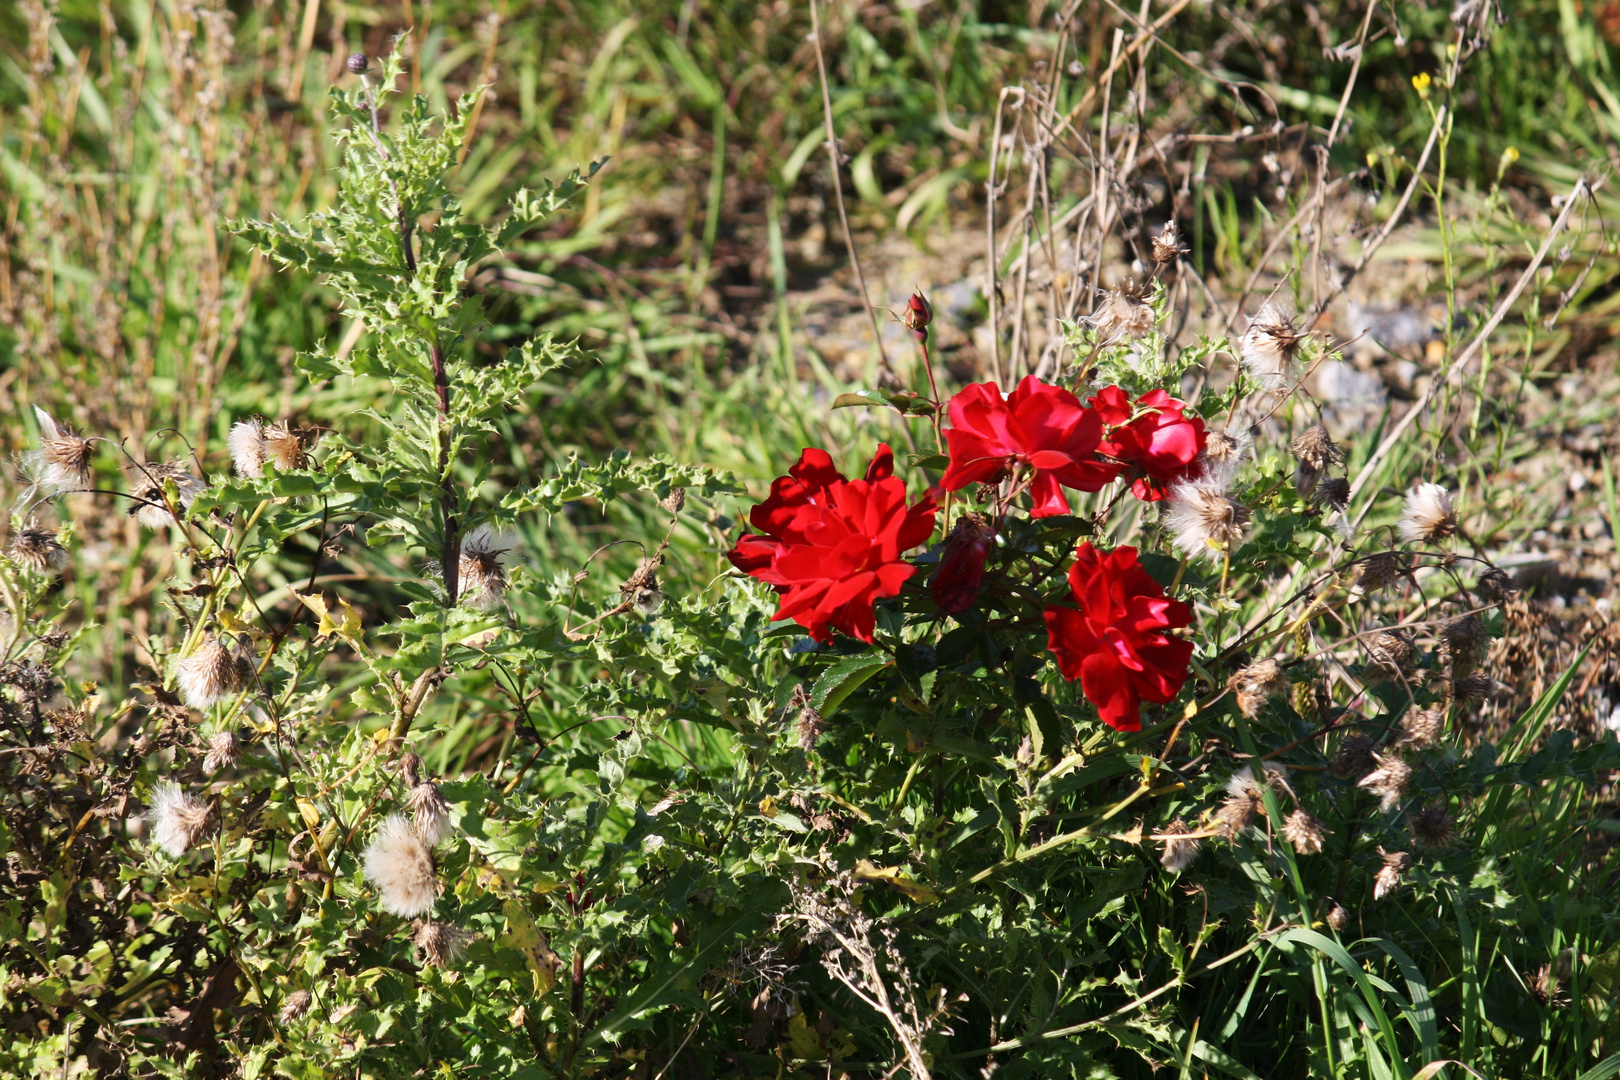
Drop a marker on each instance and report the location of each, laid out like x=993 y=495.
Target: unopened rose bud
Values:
x=919 y=313
x=358 y=63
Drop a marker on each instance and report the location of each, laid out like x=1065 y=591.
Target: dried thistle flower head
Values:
x=1388 y=781
x=1303 y=830
x=1331 y=491
x=1389 y=656
x=1268 y=347
x=1315 y=452
x=809 y=723
x=485 y=555
x=151 y=506
x=641 y=588
x=1354 y=757
x=1423 y=728
x=1374 y=573
x=178 y=820
x=63 y=459
x=1432 y=827
x=440 y=944
x=674 y=501
x=295 y=1005
x=1167 y=244
x=1224 y=454
x=399 y=864
x=1123 y=313
x=1388 y=879
x=1337 y=917
x=1429 y=516
x=1255 y=684
x=1545 y=987
x=1204 y=519
x=211 y=674
x=1495 y=586
x=38 y=550
x=1462 y=644
x=224 y=749
x=430 y=811
x=1180 y=849
x=1244 y=799
x=1474 y=689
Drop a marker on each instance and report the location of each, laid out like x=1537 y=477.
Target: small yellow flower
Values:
x=1420 y=83
x=1372 y=159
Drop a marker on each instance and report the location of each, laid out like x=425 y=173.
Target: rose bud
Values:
x=919 y=313
x=961 y=564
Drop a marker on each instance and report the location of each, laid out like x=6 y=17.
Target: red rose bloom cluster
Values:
x=1069 y=445
x=1113 y=640
x=1155 y=439
x=832 y=546
x=1042 y=426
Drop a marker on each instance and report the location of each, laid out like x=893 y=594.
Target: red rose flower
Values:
x=832 y=546
x=1042 y=426
x=1113 y=640
x=961 y=564
x=1155 y=438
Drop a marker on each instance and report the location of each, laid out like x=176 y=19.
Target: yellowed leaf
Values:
x=910 y=887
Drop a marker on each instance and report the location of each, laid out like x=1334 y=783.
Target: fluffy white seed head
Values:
x=63 y=459
x=1205 y=521
x=1224 y=454
x=178 y=820
x=399 y=864
x=151 y=507
x=1303 y=831
x=211 y=674
x=1388 y=879
x=1254 y=685
x=1268 y=347
x=1388 y=781
x=246 y=444
x=1179 y=849
x=1123 y=314
x=224 y=749
x=38 y=550
x=1429 y=516
x=430 y=812
x=440 y=944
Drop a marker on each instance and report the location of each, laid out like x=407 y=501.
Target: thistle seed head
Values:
x=1167 y=244
x=1374 y=573
x=1303 y=830
x=151 y=507
x=211 y=674
x=810 y=723
x=1423 y=729
x=1224 y=454
x=224 y=749
x=1179 y=849
x=1495 y=587
x=1337 y=917
x=440 y=944
x=1268 y=347
x=1545 y=987
x=1432 y=827
x=1429 y=516
x=485 y=555
x=1354 y=757
x=178 y=820
x=1389 y=656
x=1331 y=491
x=1316 y=448
x=430 y=812
x=246 y=444
x=1234 y=816
x=294 y=1005
x=641 y=588
x=674 y=500
x=1388 y=781
x=1124 y=313
x=38 y=551
x=1388 y=879
x=64 y=455
x=399 y=864
x=1462 y=644
x=1254 y=685
x=284 y=447
x=1204 y=519
x=1474 y=689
